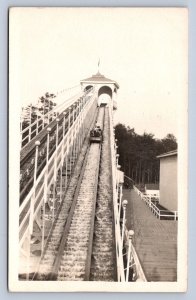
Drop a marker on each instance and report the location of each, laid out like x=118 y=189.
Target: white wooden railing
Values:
x=118 y=237
x=132 y=259
x=42 y=120
x=122 y=236
x=156 y=211
x=37 y=196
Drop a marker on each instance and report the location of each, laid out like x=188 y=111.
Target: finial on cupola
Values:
x=98 y=65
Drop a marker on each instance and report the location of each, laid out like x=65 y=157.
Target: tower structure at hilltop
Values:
x=105 y=88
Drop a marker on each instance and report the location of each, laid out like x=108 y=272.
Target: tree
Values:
x=31 y=112
x=138 y=153
x=169 y=142
x=29 y=115
x=45 y=104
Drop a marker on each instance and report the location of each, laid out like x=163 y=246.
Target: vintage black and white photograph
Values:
x=98 y=149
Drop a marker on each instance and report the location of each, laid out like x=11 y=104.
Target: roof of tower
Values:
x=100 y=79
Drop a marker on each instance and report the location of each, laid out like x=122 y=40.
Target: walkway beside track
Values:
x=155 y=240
x=39 y=137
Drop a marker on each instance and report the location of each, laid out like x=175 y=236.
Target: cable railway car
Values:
x=96 y=135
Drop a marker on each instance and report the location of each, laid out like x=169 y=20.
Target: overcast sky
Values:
x=144 y=50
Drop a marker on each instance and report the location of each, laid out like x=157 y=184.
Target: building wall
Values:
x=168 y=182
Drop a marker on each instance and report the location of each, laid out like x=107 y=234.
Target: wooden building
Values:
x=168 y=180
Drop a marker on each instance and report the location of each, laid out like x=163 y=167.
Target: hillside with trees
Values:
x=138 y=153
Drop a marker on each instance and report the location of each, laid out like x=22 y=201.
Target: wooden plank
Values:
x=155 y=240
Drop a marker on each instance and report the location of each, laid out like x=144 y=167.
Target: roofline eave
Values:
x=100 y=82
x=167 y=154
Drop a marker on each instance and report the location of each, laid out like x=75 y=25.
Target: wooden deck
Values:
x=155 y=240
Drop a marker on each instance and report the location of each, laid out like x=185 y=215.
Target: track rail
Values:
x=103 y=259
x=72 y=221
x=54 y=273
x=73 y=261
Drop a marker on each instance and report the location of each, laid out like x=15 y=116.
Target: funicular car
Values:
x=96 y=135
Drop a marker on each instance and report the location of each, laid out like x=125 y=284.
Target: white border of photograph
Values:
x=14 y=159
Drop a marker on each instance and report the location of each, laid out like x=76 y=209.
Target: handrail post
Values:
x=62 y=158
x=57 y=132
x=61 y=181
x=47 y=159
x=55 y=170
x=37 y=126
x=43 y=226
x=131 y=233
x=64 y=113
x=79 y=114
x=45 y=190
x=150 y=204
x=116 y=161
x=124 y=204
x=69 y=119
x=30 y=123
x=120 y=201
x=37 y=143
x=48 y=144
x=117 y=182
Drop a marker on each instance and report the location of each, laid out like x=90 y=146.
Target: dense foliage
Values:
x=138 y=153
